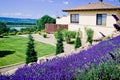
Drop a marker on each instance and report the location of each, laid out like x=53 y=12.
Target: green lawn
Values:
x=13 y=49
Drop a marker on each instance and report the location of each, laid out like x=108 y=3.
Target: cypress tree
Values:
x=31 y=55
x=59 y=45
x=78 y=41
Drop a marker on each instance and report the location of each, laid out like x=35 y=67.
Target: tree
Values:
x=31 y=55
x=43 y=20
x=78 y=41
x=59 y=45
x=3 y=28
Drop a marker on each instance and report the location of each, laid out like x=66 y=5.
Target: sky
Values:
x=38 y=8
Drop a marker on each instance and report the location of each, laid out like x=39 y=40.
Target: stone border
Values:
x=11 y=65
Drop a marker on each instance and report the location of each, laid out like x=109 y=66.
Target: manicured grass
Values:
x=13 y=49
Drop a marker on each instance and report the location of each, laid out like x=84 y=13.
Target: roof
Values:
x=94 y=6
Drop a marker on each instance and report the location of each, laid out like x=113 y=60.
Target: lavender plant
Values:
x=65 y=68
x=104 y=71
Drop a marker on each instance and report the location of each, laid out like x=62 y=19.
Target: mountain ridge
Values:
x=17 y=20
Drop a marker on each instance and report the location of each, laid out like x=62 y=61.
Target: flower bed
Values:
x=65 y=68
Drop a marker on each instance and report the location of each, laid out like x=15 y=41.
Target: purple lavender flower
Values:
x=65 y=68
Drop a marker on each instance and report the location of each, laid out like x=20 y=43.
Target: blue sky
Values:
x=38 y=8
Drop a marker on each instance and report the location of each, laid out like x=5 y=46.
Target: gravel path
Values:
x=68 y=48
x=49 y=40
x=11 y=68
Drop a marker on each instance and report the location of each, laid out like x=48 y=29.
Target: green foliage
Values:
x=44 y=35
x=59 y=45
x=109 y=70
x=104 y=71
x=90 y=34
x=78 y=41
x=56 y=34
x=31 y=55
x=72 y=33
x=43 y=31
x=28 y=30
x=64 y=31
x=43 y=20
x=39 y=32
x=67 y=37
x=12 y=33
x=19 y=33
x=3 y=28
x=5 y=34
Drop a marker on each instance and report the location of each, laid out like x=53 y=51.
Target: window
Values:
x=74 y=18
x=101 y=19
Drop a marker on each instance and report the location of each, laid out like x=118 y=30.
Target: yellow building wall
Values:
x=62 y=20
x=88 y=19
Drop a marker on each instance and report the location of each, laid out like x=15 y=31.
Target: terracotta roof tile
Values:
x=93 y=6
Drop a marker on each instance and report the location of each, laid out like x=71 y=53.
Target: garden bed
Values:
x=66 y=68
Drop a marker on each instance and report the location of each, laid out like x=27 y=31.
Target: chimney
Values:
x=101 y=0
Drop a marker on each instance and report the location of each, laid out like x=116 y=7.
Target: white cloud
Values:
x=65 y=2
x=18 y=14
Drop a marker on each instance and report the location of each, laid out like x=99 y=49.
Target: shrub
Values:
x=72 y=33
x=3 y=28
x=44 y=35
x=31 y=55
x=59 y=45
x=78 y=41
x=67 y=37
x=104 y=71
x=12 y=33
x=19 y=33
x=56 y=34
x=90 y=34
x=34 y=32
x=43 y=30
x=5 y=34
x=64 y=31
x=26 y=32
x=39 y=33
x=1 y=36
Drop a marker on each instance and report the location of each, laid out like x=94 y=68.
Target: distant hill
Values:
x=18 y=20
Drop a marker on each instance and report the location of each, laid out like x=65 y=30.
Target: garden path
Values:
x=68 y=48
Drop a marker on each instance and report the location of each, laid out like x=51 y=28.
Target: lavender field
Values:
x=65 y=68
